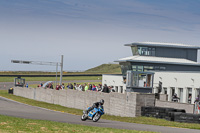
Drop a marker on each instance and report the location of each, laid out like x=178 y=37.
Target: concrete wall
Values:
x=163 y=97
x=144 y=100
x=118 y=104
x=188 y=107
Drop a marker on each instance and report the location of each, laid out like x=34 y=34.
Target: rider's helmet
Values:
x=102 y=101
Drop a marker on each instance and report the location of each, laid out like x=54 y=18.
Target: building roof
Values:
x=161 y=60
x=159 y=44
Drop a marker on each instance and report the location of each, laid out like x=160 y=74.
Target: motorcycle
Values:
x=94 y=114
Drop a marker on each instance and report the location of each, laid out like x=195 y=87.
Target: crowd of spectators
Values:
x=84 y=87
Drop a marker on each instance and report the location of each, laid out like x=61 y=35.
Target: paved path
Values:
x=12 y=108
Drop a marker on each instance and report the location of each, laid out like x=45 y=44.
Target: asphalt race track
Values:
x=12 y=108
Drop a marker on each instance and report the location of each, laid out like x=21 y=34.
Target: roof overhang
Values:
x=158 y=44
x=158 y=60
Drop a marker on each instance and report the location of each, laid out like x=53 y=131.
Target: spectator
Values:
x=68 y=86
x=196 y=99
x=83 y=87
x=74 y=86
x=98 y=88
x=79 y=87
x=71 y=86
x=94 y=88
x=27 y=85
x=86 y=87
x=189 y=98
x=112 y=89
x=63 y=86
x=105 y=89
x=175 y=98
x=51 y=86
x=90 y=86
x=58 y=87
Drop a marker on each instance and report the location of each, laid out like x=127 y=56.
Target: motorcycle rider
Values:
x=95 y=105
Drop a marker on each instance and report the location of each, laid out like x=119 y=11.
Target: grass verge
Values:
x=19 y=125
x=140 y=120
x=11 y=79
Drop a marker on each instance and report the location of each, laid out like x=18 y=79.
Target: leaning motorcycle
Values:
x=93 y=115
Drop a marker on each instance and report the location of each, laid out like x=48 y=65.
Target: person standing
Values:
x=90 y=86
x=86 y=87
x=71 y=86
x=105 y=89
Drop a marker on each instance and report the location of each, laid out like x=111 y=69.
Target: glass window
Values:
x=153 y=52
x=139 y=51
x=140 y=68
x=134 y=68
x=149 y=80
x=162 y=68
x=125 y=67
x=146 y=51
x=142 y=80
x=156 y=67
x=135 y=79
x=134 y=50
x=148 y=68
x=139 y=79
x=149 y=51
x=137 y=68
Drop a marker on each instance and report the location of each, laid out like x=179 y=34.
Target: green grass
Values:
x=11 y=79
x=26 y=73
x=101 y=69
x=42 y=73
x=19 y=125
x=106 y=68
x=140 y=120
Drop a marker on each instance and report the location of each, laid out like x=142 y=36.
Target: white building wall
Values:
x=169 y=93
x=193 y=94
x=177 y=80
x=185 y=95
x=169 y=80
x=116 y=81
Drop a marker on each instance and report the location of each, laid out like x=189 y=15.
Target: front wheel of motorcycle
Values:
x=84 y=117
x=96 y=117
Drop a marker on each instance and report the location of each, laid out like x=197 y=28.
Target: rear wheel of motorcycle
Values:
x=96 y=117
x=84 y=117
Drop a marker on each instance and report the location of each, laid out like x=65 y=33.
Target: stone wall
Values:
x=144 y=100
x=126 y=105
x=163 y=97
x=188 y=107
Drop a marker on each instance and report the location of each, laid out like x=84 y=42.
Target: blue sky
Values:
x=90 y=32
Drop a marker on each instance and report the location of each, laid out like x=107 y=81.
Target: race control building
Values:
x=164 y=68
